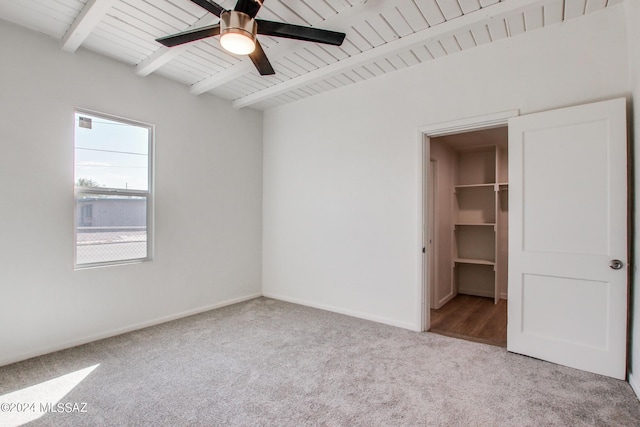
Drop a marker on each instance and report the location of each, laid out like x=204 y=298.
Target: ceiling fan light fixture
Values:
x=238 y=43
x=237 y=32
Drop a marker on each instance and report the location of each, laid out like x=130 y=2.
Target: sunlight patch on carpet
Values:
x=30 y=403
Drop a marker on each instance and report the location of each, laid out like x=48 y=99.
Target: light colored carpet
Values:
x=270 y=363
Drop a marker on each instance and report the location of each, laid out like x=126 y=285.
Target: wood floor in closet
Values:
x=472 y=318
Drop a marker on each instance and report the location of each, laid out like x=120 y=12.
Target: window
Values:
x=113 y=212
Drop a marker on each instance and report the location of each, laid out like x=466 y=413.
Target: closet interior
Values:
x=469 y=235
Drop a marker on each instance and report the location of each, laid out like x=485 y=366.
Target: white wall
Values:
x=342 y=170
x=633 y=17
x=208 y=199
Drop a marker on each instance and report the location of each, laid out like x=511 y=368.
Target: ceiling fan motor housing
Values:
x=232 y=21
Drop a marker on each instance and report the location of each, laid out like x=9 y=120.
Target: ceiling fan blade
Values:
x=190 y=35
x=250 y=7
x=260 y=60
x=298 y=32
x=211 y=6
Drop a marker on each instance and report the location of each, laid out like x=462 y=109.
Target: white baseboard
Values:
x=635 y=384
x=352 y=313
x=476 y=292
x=445 y=300
x=84 y=340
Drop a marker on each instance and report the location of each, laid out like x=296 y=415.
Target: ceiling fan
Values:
x=238 y=29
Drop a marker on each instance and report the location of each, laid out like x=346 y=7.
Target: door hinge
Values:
x=424 y=250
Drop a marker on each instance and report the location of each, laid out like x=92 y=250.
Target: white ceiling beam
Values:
x=157 y=59
x=447 y=28
x=222 y=77
x=90 y=15
x=340 y=20
x=165 y=54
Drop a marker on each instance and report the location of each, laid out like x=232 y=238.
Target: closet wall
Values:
x=442 y=289
x=471 y=215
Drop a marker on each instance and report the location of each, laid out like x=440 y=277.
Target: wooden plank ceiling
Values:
x=382 y=36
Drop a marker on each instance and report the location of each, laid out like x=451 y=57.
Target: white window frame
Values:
x=105 y=191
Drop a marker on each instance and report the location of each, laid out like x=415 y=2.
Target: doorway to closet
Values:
x=468 y=233
x=569 y=210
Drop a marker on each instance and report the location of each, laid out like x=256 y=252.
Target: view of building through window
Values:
x=112 y=182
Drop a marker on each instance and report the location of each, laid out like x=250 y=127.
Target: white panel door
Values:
x=568 y=223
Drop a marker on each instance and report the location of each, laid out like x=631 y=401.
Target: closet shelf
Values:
x=473 y=261
x=487 y=185
x=478 y=209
